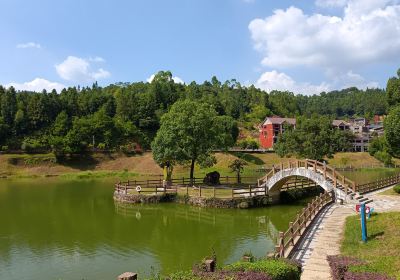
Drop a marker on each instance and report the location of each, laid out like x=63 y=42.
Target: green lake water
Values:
x=55 y=229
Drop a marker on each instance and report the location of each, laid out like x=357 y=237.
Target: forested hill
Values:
x=118 y=115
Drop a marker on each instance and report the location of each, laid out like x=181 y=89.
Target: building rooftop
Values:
x=279 y=120
x=339 y=122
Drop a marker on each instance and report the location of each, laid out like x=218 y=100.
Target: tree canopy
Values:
x=189 y=132
x=121 y=115
x=313 y=138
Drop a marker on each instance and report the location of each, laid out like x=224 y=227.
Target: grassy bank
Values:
x=120 y=166
x=382 y=251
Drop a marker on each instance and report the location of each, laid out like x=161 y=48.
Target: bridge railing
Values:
x=324 y=169
x=378 y=184
x=288 y=240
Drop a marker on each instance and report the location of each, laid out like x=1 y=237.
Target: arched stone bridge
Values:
x=323 y=175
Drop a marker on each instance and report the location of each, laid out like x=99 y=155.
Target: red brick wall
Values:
x=266 y=136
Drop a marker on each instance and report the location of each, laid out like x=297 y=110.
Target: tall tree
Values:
x=393 y=90
x=189 y=132
x=392 y=130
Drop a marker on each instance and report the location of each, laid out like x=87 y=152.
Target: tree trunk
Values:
x=192 y=171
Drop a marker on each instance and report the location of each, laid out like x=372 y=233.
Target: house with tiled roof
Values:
x=271 y=128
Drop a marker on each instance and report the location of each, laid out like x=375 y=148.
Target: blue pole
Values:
x=363 y=223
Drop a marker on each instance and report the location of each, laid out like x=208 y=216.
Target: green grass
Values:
x=382 y=251
x=390 y=192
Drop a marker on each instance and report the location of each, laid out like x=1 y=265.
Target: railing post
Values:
x=281 y=166
x=200 y=190
x=250 y=189
x=291 y=233
x=187 y=190
x=214 y=192
x=281 y=245
x=315 y=166
x=232 y=193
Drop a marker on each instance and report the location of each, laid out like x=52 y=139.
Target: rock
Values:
x=127 y=276
x=212 y=178
x=243 y=205
x=210 y=265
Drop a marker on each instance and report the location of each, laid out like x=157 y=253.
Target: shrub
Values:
x=365 y=276
x=219 y=275
x=277 y=269
x=397 y=189
x=229 y=275
x=384 y=157
x=340 y=265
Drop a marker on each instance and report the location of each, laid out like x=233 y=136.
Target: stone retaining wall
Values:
x=245 y=202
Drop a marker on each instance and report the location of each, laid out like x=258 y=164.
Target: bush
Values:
x=219 y=275
x=384 y=157
x=31 y=145
x=277 y=269
x=397 y=189
x=365 y=276
x=340 y=265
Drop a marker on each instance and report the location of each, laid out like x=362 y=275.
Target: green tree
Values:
x=392 y=130
x=237 y=166
x=4 y=131
x=393 y=90
x=313 y=138
x=189 y=132
x=8 y=106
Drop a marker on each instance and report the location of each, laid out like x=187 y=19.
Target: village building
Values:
x=272 y=127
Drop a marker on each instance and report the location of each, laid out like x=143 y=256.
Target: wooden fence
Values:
x=228 y=188
x=378 y=184
x=288 y=240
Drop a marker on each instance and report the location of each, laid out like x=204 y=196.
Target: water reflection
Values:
x=73 y=230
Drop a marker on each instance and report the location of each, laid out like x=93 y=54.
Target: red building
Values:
x=271 y=128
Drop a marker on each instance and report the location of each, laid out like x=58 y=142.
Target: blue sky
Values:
x=302 y=46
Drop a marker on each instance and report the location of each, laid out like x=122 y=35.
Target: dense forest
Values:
x=126 y=116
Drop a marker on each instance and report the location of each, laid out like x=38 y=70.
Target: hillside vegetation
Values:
x=117 y=165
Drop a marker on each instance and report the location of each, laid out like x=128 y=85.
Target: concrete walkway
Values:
x=325 y=233
x=322 y=239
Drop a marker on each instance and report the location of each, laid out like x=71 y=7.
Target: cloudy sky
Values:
x=300 y=45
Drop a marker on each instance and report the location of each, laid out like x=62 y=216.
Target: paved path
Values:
x=322 y=239
x=325 y=233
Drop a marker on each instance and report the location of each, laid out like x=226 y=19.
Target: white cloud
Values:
x=351 y=79
x=367 y=32
x=80 y=70
x=29 y=45
x=175 y=78
x=38 y=85
x=274 y=80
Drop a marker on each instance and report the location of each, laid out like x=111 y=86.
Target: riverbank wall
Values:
x=213 y=202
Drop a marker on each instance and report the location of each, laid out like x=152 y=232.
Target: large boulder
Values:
x=212 y=178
